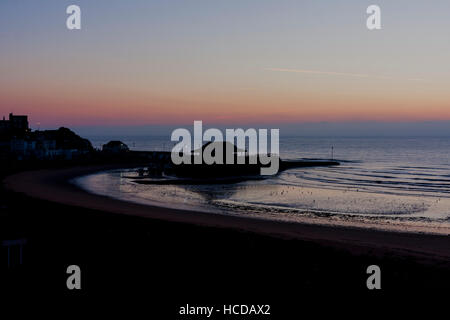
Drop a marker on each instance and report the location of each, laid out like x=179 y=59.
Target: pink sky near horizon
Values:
x=53 y=106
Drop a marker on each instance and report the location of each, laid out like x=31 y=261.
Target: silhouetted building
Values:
x=14 y=124
x=18 y=142
x=115 y=147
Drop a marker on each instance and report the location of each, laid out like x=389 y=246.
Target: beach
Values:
x=54 y=186
x=175 y=256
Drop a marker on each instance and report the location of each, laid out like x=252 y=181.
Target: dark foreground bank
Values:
x=174 y=263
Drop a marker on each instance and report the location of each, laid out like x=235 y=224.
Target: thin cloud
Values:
x=332 y=73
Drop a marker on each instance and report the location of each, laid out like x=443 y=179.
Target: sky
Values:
x=163 y=63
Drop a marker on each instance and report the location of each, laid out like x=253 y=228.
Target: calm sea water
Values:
x=388 y=183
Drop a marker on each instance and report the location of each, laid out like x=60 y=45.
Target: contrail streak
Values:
x=356 y=75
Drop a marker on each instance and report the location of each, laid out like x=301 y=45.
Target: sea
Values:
x=388 y=183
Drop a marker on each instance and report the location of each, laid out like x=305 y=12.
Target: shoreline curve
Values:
x=53 y=185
